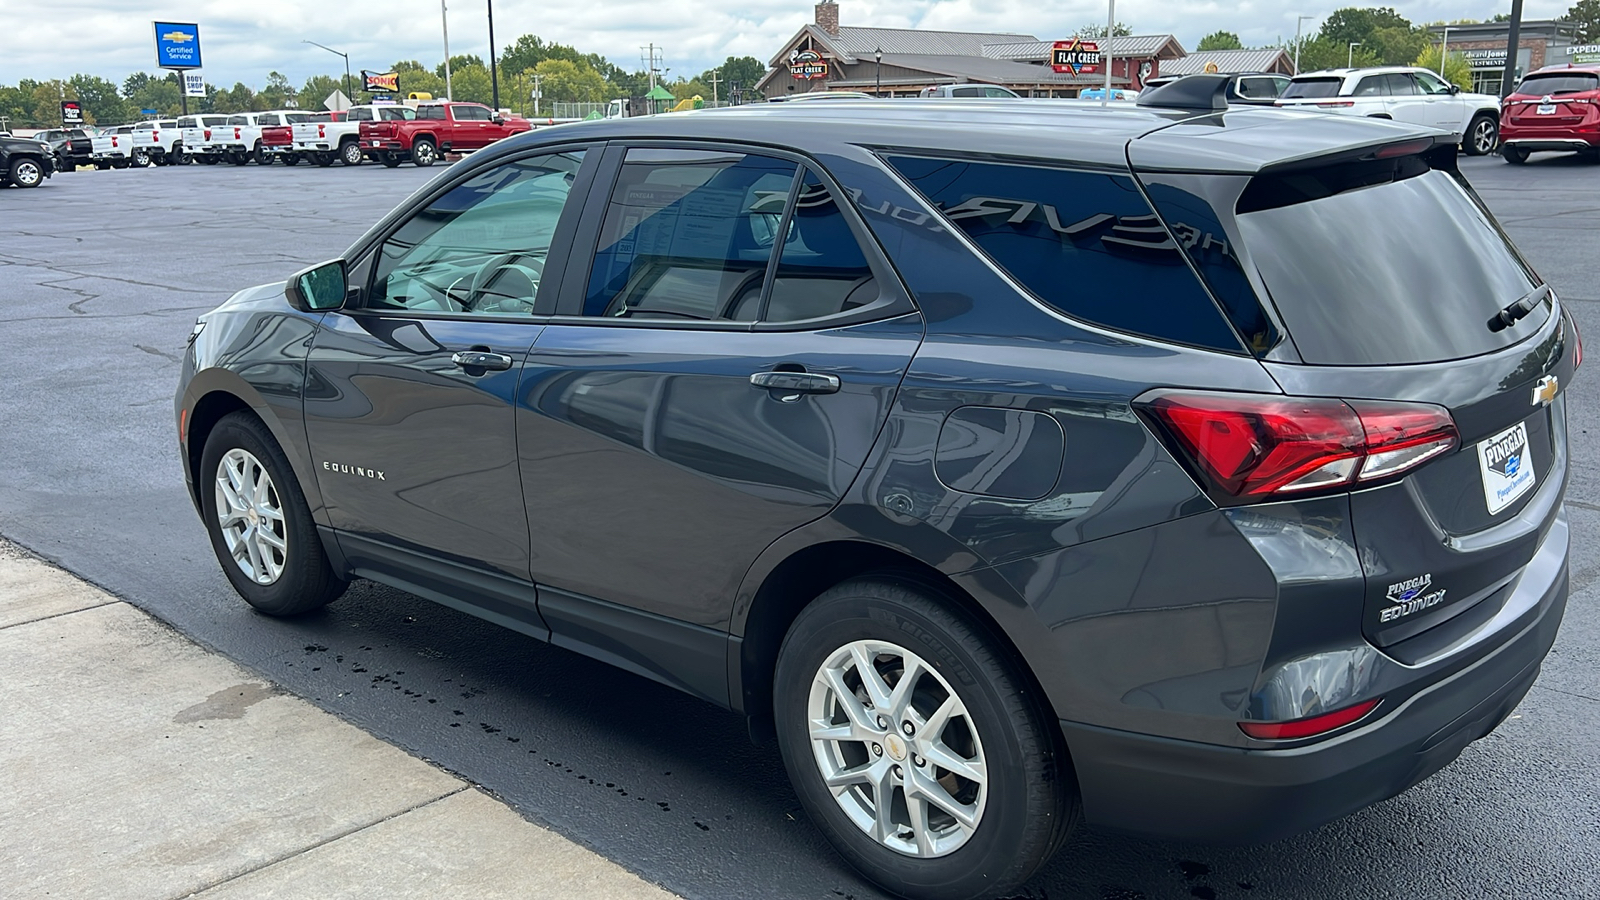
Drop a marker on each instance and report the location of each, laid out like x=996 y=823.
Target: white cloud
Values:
x=242 y=42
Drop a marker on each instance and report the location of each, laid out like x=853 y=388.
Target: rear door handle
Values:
x=481 y=359
x=796 y=382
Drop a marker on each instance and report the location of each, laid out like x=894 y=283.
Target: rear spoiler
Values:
x=1204 y=93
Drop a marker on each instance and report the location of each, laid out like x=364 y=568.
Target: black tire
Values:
x=307 y=581
x=1482 y=136
x=1514 y=155
x=239 y=157
x=119 y=163
x=1032 y=802
x=389 y=160
x=323 y=158
x=291 y=159
x=260 y=155
x=210 y=159
x=102 y=166
x=350 y=153
x=25 y=172
x=424 y=152
x=180 y=157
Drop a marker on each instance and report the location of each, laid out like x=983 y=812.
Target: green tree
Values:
x=1586 y=15
x=1095 y=32
x=1398 y=46
x=278 y=92
x=460 y=61
x=1321 y=53
x=744 y=71
x=14 y=102
x=319 y=87
x=149 y=92
x=239 y=98
x=414 y=78
x=471 y=84
x=566 y=81
x=1457 y=70
x=528 y=51
x=1356 y=24
x=1221 y=40
x=684 y=90
x=100 y=99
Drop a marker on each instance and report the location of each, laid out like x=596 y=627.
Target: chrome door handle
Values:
x=481 y=359
x=796 y=382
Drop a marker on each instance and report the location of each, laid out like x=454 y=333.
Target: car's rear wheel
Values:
x=323 y=158
x=25 y=173
x=1482 y=135
x=389 y=160
x=260 y=155
x=424 y=153
x=915 y=744
x=350 y=153
x=260 y=525
x=1514 y=155
x=141 y=158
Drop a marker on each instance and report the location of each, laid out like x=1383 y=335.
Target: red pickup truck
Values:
x=438 y=128
x=277 y=141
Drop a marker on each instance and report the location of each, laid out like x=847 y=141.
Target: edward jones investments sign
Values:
x=177 y=45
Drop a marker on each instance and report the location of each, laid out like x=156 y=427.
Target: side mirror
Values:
x=499 y=119
x=1455 y=89
x=321 y=287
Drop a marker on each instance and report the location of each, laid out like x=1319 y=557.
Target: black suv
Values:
x=25 y=162
x=1012 y=465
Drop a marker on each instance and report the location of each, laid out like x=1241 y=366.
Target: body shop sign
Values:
x=808 y=65
x=1075 y=57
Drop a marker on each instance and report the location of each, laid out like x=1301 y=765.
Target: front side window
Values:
x=480 y=248
x=1085 y=243
x=688 y=235
x=1430 y=83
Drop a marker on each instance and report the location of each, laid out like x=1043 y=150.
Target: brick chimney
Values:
x=828 y=17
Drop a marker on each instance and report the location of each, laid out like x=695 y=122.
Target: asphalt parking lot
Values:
x=101 y=277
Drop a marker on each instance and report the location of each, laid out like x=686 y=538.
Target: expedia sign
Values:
x=808 y=65
x=380 y=82
x=1075 y=57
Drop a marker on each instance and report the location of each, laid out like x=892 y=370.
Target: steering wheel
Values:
x=506 y=283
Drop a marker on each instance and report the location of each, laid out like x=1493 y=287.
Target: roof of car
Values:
x=1593 y=68
x=1082 y=132
x=1368 y=70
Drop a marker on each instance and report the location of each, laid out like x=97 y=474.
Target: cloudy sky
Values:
x=243 y=41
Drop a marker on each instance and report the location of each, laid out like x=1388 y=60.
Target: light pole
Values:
x=346 y=67
x=1105 y=54
x=878 y=55
x=494 y=76
x=1350 y=60
x=1297 y=23
x=1444 y=47
x=444 y=17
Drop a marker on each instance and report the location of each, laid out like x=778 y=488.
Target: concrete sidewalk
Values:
x=135 y=764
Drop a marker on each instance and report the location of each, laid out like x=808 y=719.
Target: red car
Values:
x=439 y=128
x=1554 y=108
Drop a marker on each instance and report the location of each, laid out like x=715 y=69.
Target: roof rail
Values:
x=1197 y=92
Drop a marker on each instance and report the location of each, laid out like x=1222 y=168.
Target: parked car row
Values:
x=384 y=133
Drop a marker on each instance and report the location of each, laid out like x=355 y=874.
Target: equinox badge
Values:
x=1544 y=393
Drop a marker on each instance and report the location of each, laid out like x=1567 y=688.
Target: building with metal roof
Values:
x=1232 y=62
x=824 y=55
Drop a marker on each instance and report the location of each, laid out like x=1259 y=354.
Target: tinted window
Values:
x=1430 y=83
x=1085 y=243
x=1402 y=85
x=320 y=117
x=430 y=112
x=238 y=120
x=1372 y=86
x=1559 y=83
x=361 y=114
x=967 y=92
x=997 y=92
x=1312 y=87
x=1260 y=88
x=396 y=114
x=1382 y=263
x=213 y=120
x=822 y=271
x=481 y=247
x=471 y=114
x=296 y=118
x=687 y=235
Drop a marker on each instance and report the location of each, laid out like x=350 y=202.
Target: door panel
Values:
x=654 y=470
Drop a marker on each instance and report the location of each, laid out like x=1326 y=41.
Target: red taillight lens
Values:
x=322 y=131
x=237 y=134
x=208 y=134
x=1250 y=447
x=1336 y=104
x=1304 y=728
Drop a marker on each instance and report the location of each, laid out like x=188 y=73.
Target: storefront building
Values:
x=900 y=62
x=1542 y=42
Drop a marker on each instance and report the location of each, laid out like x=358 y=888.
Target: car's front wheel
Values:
x=1482 y=135
x=350 y=153
x=260 y=525
x=25 y=173
x=924 y=755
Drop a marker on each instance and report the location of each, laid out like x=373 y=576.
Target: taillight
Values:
x=237 y=135
x=1251 y=447
x=322 y=131
x=1336 y=104
x=1304 y=728
x=208 y=134
x=113 y=142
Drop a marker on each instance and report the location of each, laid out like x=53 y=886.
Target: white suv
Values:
x=1402 y=93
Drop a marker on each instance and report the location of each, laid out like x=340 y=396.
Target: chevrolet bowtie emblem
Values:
x=1544 y=393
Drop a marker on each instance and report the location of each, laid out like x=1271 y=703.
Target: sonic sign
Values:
x=808 y=65
x=1075 y=57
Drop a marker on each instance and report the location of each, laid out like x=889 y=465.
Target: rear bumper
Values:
x=1213 y=794
x=1551 y=143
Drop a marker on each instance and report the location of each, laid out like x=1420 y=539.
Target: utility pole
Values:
x=716 y=79
x=444 y=16
x=1508 y=79
x=1444 y=48
x=1105 y=54
x=1297 y=23
x=538 y=93
x=494 y=74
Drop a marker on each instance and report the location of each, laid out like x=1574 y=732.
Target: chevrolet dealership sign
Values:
x=177 y=45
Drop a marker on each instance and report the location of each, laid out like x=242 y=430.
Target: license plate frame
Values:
x=1546 y=109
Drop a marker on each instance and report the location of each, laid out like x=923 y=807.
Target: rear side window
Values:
x=430 y=112
x=1373 y=86
x=1312 y=87
x=1559 y=83
x=1261 y=88
x=396 y=114
x=688 y=235
x=822 y=271
x=1085 y=243
x=361 y=114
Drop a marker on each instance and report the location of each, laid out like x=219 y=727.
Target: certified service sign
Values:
x=177 y=45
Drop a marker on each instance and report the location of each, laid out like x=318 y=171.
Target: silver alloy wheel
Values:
x=424 y=153
x=250 y=516
x=1483 y=137
x=27 y=173
x=897 y=749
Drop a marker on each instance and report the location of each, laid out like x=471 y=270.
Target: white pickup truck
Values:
x=241 y=137
x=325 y=142
x=113 y=148
x=202 y=137
x=160 y=144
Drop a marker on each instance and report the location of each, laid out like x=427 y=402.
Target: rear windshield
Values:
x=1559 y=83
x=397 y=114
x=213 y=120
x=362 y=114
x=238 y=120
x=1367 y=269
x=1312 y=87
x=296 y=118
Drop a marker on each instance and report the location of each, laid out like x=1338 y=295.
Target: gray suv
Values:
x=1193 y=475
